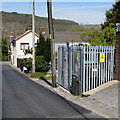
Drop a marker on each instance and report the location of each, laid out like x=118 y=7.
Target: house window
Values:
x=24 y=46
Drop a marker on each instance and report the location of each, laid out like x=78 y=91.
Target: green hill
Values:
x=17 y=23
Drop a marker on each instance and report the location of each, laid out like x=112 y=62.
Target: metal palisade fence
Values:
x=85 y=67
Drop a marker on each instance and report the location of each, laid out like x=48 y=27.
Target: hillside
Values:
x=17 y=23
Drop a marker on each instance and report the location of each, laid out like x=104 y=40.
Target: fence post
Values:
x=63 y=70
x=59 y=64
x=79 y=70
x=68 y=66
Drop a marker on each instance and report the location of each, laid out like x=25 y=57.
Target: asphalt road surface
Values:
x=23 y=98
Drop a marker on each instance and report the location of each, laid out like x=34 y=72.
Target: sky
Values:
x=81 y=12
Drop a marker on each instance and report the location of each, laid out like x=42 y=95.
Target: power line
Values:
x=30 y=5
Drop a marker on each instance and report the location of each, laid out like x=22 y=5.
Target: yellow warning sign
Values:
x=50 y=36
x=102 y=57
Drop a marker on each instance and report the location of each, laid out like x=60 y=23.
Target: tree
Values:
x=100 y=37
x=47 y=51
x=94 y=37
x=112 y=16
x=4 y=49
x=107 y=35
x=40 y=45
x=43 y=48
x=110 y=34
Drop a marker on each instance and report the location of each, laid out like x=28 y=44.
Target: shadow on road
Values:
x=87 y=114
x=49 y=83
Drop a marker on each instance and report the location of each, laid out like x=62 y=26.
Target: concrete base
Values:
x=101 y=87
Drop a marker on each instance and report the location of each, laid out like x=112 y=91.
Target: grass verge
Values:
x=40 y=75
x=83 y=95
x=37 y=74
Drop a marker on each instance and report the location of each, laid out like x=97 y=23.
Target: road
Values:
x=23 y=98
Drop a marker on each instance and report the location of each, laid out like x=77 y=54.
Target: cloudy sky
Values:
x=87 y=12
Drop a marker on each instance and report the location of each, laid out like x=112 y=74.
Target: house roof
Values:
x=24 y=34
x=64 y=37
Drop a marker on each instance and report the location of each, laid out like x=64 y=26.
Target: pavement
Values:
x=102 y=101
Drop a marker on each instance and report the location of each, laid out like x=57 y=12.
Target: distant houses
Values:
x=20 y=44
x=61 y=38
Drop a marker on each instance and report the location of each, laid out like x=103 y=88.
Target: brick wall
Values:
x=117 y=60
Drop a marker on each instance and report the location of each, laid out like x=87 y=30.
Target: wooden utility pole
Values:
x=51 y=36
x=117 y=54
x=33 y=36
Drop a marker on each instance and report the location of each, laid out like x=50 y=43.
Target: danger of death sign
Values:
x=102 y=57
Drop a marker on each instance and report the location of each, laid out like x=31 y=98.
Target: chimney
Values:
x=43 y=30
x=29 y=27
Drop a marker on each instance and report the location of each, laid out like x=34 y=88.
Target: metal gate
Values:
x=92 y=66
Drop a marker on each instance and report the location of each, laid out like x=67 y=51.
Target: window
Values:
x=24 y=46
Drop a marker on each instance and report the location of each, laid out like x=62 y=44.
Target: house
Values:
x=62 y=38
x=19 y=45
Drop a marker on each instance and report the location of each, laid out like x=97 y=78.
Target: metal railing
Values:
x=93 y=66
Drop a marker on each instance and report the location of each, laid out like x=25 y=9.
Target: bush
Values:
x=4 y=47
x=40 y=64
x=43 y=48
x=4 y=58
x=38 y=75
x=28 y=64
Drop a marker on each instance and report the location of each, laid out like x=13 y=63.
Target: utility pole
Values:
x=117 y=54
x=51 y=36
x=33 y=36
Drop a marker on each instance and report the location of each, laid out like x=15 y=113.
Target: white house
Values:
x=22 y=42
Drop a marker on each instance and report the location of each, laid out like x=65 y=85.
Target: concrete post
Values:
x=117 y=54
